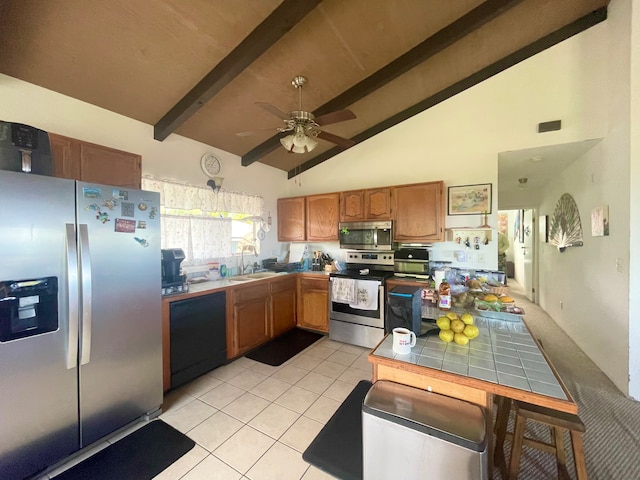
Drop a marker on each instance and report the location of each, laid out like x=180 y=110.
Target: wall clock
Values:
x=210 y=164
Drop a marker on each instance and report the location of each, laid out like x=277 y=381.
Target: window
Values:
x=206 y=225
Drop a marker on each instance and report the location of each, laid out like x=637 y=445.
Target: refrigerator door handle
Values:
x=72 y=275
x=85 y=271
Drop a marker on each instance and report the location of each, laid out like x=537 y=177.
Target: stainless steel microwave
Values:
x=366 y=235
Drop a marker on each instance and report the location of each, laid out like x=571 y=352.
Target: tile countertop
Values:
x=504 y=353
x=223 y=283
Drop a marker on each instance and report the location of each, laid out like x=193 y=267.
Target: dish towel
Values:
x=366 y=295
x=343 y=290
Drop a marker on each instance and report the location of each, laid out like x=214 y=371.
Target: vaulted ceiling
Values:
x=197 y=68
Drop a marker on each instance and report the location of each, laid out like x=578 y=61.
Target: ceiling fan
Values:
x=304 y=125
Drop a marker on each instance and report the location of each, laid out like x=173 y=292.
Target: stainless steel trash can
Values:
x=410 y=433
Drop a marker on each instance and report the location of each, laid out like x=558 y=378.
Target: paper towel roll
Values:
x=438 y=276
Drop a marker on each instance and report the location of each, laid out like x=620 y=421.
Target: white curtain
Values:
x=202 y=238
x=189 y=197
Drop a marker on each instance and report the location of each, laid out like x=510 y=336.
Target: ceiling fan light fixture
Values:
x=298 y=143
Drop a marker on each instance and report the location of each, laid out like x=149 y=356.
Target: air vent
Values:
x=549 y=126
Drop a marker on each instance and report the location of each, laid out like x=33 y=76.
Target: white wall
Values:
x=594 y=296
x=634 y=204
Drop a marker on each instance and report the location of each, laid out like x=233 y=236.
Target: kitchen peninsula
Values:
x=504 y=360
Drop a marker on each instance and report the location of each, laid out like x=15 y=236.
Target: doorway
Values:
x=521 y=234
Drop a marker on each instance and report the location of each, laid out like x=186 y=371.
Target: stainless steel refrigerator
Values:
x=80 y=316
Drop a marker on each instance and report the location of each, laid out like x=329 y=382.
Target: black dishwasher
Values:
x=198 y=336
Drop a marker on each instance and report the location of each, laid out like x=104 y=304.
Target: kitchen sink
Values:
x=252 y=276
x=262 y=274
x=238 y=279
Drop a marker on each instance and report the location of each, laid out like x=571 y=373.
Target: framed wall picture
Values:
x=469 y=199
x=600 y=221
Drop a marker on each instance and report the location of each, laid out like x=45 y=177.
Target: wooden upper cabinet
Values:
x=418 y=212
x=89 y=162
x=65 y=157
x=323 y=214
x=291 y=219
x=377 y=202
x=352 y=206
x=370 y=204
x=109 y=166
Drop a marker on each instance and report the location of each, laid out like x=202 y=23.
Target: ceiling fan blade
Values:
x=335 y=117
x=330 y=137
x=275 y=110
x=257 y=132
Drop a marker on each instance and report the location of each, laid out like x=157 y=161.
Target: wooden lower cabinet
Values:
x=313 y=302
x=250 y=324
x=283 y=305
x=258 y=312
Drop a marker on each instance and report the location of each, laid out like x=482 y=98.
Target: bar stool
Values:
x=558 y=422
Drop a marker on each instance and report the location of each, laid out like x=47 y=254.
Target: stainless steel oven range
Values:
x=357 y=298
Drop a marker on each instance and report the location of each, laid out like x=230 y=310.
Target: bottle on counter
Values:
x=444 y=295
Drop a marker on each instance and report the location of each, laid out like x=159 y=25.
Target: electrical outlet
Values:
x=618 y=265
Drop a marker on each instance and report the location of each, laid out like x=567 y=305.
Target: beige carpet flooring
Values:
x=612 y=439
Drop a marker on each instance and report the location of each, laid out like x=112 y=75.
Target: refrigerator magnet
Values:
x=153 y=212
x=128 y=209
x=142 y=224
x=125 y=226
x=91 y=192
x=141 y=241
x=103 y=217
x=142 y=206
x=120 y=194
x=110 y=204
x=92 y=208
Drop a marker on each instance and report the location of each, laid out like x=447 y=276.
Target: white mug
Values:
x=403 y=340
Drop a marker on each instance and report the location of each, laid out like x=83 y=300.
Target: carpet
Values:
x=139 y=456
x=280 y=349
x=337 y=449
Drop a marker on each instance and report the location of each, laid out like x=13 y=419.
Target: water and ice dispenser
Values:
x=28 y=307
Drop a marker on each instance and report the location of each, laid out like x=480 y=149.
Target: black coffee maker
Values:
x=172 y=278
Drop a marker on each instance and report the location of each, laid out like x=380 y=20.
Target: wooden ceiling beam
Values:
x=274 y=27
x=445 y=37
x=563 y=33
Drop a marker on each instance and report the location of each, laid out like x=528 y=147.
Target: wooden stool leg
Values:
x=502 y=421
x=561 y=456
x=516 y=446
x=578 y=455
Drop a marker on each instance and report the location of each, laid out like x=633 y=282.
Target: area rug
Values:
x=139 y=456
x=337 y=449
x=277 y=351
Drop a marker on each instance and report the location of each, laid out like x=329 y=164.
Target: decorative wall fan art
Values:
x=566 y=228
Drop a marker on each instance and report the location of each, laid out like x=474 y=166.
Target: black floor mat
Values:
x=139 y=456
x=337 y=449
x=277 y=351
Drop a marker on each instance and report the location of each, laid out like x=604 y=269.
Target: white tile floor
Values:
x=253 y=421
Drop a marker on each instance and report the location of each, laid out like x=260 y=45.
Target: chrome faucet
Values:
x=244 y=249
